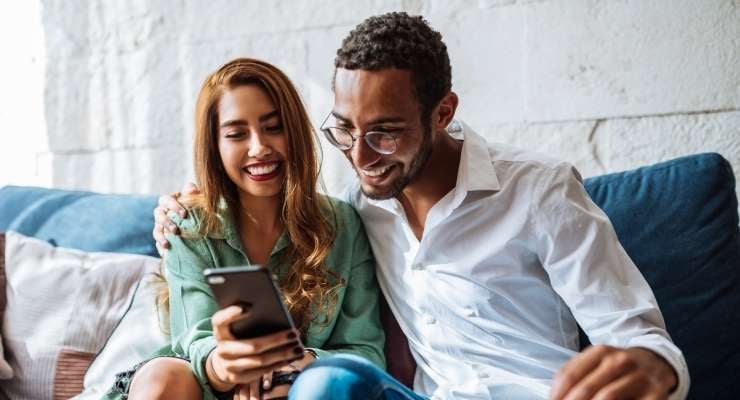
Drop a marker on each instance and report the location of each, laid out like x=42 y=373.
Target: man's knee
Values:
x=165 y=378
x=338 y=377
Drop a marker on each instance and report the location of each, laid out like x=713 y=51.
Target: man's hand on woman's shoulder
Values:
x=162 y=223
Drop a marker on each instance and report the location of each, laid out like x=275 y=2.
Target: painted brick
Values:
x=604 y=58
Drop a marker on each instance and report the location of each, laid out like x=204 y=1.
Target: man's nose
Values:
x=362 y=154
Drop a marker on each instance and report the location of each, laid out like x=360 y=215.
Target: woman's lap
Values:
x=348 y=377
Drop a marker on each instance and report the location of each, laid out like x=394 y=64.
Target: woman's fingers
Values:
x=247 y=347
x=222 y=319
x=267 y=381
x=241 y=392
x=254 y=390
x=274 y=358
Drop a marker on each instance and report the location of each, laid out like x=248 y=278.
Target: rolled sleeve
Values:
x=592 y=273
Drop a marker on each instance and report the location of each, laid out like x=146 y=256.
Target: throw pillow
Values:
x=135 y=339
x=5 y=371
x=62 y=306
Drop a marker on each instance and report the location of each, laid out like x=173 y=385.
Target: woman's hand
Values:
x=270 y=392
x=162 y=222
x=246 y=361
x=250 y=391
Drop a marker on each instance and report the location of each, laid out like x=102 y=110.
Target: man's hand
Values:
x=605 y=372
x=162 y=222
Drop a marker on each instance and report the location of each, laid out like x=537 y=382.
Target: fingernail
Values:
x=291 y=335
x=265 y=384
x=172 y=227
x=298 y=350
x=183 y=214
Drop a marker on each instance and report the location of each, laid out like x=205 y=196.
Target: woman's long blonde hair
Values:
x=309 y=287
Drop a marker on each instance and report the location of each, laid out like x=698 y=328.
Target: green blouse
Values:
x=353 y=328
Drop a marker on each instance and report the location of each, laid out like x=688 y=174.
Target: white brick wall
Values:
x=607 y=84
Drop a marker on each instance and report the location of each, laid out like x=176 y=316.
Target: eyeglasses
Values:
x=341 y=138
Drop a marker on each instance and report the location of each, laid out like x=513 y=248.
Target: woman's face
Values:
x=252 y=142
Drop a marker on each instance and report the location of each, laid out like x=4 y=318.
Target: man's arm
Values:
x=607 y=295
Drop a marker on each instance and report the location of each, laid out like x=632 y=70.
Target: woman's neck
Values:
x=260 y=214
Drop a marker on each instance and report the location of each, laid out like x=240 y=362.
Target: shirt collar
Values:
x=475 y=172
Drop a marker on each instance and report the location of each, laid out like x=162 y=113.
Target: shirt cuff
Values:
x=199 y=352
x=673 y=356
x=318 y=353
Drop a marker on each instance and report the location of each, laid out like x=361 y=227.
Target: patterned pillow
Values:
x=5 y=371
x=62 y=306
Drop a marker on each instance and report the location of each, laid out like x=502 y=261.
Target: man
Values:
x=487 y=255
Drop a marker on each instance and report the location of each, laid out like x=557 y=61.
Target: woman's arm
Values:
x=358 y=329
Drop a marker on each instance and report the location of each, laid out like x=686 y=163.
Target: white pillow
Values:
x=136 y=337
x=62 y=306
x=5 y=371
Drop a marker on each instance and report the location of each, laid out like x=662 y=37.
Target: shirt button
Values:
x=429 y=320
x=469 y=311
x=417 y=267
x=483 y=375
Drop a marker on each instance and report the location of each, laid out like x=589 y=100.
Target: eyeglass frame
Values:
x=330 y=137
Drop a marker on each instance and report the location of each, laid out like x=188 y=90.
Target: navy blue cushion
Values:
x=80 y=220
x=678 y=221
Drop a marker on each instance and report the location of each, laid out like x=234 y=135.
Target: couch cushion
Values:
x=80 y=220
x=62 y=307
x=678 y=221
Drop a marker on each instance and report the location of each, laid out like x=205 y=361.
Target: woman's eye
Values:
x=274 y=128
x=234 y=135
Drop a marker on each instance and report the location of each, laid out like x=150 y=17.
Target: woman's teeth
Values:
x=262 y=169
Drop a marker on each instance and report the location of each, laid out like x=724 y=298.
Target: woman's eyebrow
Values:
x=233 y=122
x=269 y=115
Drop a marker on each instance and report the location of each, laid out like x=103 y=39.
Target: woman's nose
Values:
x=258 y=146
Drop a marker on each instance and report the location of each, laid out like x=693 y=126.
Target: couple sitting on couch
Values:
x=486 y=255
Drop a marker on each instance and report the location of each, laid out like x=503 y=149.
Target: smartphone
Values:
x=253 y=287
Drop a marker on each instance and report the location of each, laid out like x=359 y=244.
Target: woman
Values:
x=257 y=170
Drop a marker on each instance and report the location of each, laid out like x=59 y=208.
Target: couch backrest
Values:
x=678 y=221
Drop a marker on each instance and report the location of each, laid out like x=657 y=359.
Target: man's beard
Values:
x=421 y=157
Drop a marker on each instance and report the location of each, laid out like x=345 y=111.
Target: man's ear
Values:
x=445 y=112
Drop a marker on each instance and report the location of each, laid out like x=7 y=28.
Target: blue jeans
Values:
x=345 y=377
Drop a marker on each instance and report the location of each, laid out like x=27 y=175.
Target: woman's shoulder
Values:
x=342 y=214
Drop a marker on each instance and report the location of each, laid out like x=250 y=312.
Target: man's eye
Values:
x=385 y=129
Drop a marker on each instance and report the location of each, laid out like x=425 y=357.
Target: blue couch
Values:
x=678 y=221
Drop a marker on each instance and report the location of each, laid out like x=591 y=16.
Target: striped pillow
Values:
x=5 y=371
x=62 y=305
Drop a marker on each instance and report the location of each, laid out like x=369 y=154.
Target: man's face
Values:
x=382 y=101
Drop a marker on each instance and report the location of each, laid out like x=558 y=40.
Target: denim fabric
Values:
x=346 y=377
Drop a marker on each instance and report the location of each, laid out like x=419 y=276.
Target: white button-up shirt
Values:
x=509 y=260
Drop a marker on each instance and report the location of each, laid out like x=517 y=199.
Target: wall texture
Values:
x=606 y=84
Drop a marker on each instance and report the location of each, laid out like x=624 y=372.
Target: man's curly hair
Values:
x=398 y=40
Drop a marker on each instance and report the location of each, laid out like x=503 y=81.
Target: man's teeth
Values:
x=376 y=171
x=263 y=169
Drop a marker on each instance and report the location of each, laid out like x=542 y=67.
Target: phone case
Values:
x=254 y=288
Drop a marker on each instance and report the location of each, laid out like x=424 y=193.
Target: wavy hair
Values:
x=309 y=287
